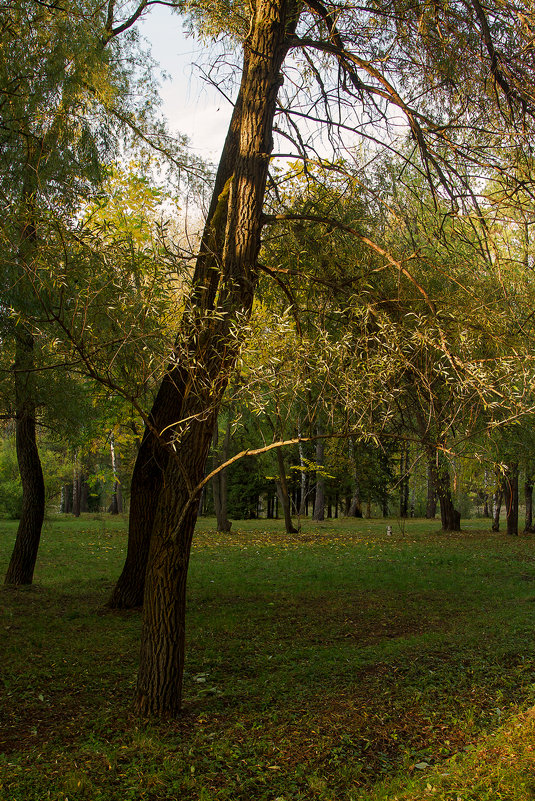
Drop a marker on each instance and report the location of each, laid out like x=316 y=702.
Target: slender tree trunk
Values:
x=319 y=498
x=116 y=506
x=431 y=507
x=76 y=486
x=486 y=512
x=404 y=484
x=355 y=509
x=497 y=504
x=84 y=494
x=511 y=498
x=23 y=558
x=200 y=382
x=528 y=495
x=303 y=479
x=282 y=489
x=219 y=481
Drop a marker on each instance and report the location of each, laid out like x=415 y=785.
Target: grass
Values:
x=338 y=663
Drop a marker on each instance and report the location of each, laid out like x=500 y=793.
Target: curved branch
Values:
x=271 y=218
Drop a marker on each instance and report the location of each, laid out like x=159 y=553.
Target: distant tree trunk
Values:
x=76 y=486
x=219 y=481
x=116 y=506
x=23 y=558
x=303 y=479
x=319 y=499
x=486 y=512
x=404 y=483
x=498 y=498
x=511 y=498
x=66 y=498
x=431 y=507
x=84 y=494
x=528 y=495
x=355 y=509
x=450 y=517
x=282 y=489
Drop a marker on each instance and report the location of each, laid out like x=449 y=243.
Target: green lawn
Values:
x=338 y=663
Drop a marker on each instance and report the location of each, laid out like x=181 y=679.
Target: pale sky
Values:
x=191 y=106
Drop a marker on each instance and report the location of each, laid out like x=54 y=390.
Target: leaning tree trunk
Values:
x=200 y=381
x=510 y=491
x=23 y=558
x=152 y=456
x=528 y=496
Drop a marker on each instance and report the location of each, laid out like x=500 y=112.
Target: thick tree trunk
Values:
x=511 y=498
x=200 y=381
x=23 y=558
x=528 y=496
x=152 y=456
x=319 y=497
x=282 y=489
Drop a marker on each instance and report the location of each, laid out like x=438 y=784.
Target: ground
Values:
x=338 y=663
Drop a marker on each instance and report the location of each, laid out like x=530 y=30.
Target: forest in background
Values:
x=344 y=323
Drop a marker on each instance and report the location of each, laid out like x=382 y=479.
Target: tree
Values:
x=168 y=475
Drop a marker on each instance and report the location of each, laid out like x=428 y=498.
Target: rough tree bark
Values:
x=23 y=558
x=153 y=454
x=209 y=339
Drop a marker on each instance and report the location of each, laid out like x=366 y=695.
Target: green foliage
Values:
x=10 y=486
